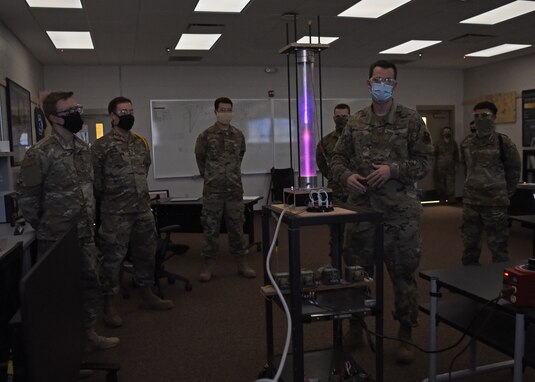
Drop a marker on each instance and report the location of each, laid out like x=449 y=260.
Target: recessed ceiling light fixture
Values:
x=316 y=40
x=372 y=9
x=226 y=6
x=71 y=40
x=410 y=46
x=54 y=3
x=500 y=49
x=505 y=12
x=192 y=41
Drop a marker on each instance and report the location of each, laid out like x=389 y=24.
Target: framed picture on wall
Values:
x=528 y=118
x=19 y=120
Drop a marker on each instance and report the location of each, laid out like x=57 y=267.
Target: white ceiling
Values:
x=135 y=32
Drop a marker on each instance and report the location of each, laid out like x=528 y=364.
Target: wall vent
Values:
x=470 y=38
x=205 y=28
x=185 y=58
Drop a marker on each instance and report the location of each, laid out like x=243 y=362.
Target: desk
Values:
x=8 y=241
x=523 y=201
x=187 y=214
x=527 y=221
x=511 y=331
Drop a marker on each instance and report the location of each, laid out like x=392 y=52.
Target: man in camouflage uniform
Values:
x=121 y=160
x=219 y=152
x=55 y=191
x=446 y=160
x=384 y=149
x=492 y=167
x=324 y=151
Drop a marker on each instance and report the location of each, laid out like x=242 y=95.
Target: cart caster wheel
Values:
x=258 y=247
x=268 y=372
x=188 y=287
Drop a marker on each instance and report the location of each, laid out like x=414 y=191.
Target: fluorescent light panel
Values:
x=372 y=9
x=71 y=40
x=227 y=6
x=500 y=49
x=193 y=41
x=54 y=3
x=505 y=12
x=315 y=40
x=410 y=46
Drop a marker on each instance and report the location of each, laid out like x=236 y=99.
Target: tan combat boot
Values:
x=354 y=338
x=110 y=315
x=96 y=342
x=151 y=301
x=244 y=269
x=206 y=273
x=405 y=353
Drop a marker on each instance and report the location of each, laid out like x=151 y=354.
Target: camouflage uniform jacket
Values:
x=492 y=173
x=324 y=153
x=219 y=154
x=121 y=167
x=446 y=154
x=398 y=139
x=55 y=187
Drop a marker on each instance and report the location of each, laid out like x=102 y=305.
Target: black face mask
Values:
x=73 y=122
x=340 y=121
x=126 y=122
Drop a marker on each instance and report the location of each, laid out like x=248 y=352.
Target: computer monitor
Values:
x=10 y=276
x=51 y=314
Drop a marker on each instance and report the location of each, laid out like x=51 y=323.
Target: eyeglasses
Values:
x=122 y=112
x=72 y=110
x=382 y=80
x=485 y=115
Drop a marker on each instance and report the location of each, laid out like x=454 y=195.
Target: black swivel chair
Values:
x=165 y=250
x=280 y=178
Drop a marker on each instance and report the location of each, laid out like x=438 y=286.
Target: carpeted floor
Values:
x=217 y=331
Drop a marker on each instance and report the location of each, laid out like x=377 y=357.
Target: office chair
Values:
x=164 y=251
x=280 y=178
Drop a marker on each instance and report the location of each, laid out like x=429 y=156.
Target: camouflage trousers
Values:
x=337 y=200
x=119 y=234
x=402 y=252
x=445 y=184
x=496 y=224
x=91 y=296
x=214 y=209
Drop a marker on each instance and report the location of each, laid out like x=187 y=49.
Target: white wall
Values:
x=94 y=86
x=19 y=65
x=506 y=76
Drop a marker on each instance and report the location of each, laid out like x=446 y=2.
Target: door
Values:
x=96 y=123
x=436 y=118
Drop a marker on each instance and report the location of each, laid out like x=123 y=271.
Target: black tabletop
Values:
x=481 y=283
x=528 y=219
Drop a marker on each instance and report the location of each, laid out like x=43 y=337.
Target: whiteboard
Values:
x=176 y=124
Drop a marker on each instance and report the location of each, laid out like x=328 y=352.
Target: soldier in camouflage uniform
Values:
x=446 y=160
x=121 y=161
x=325 y=148
x=384 y=149
x=219 y=152
x=55 y=191
x=492 y=167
